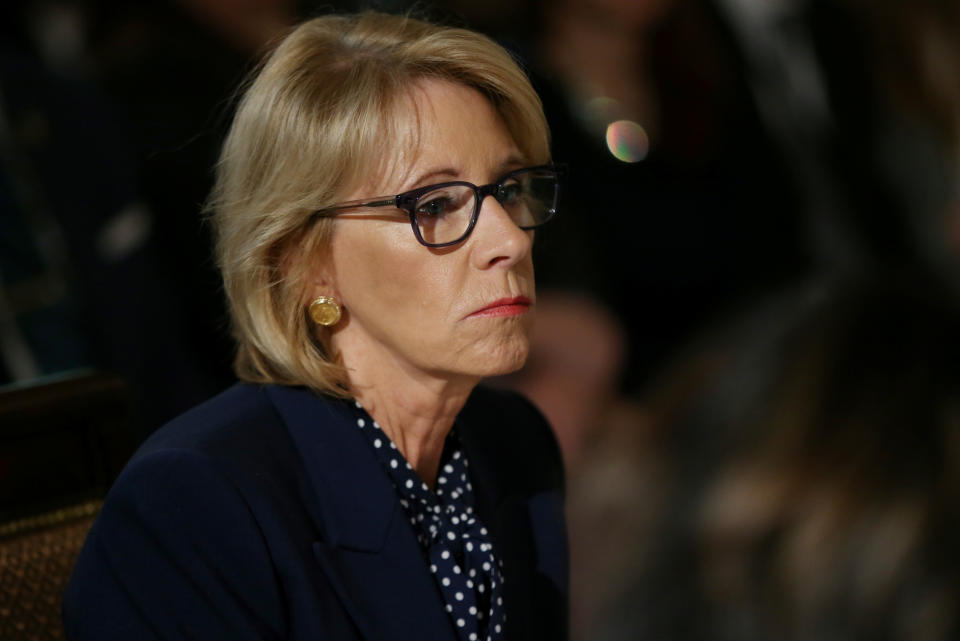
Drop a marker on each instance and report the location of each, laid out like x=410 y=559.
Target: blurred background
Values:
x=747 y=335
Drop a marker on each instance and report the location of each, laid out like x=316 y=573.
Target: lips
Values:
x=504 y=307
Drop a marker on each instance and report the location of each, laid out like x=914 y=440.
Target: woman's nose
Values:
x=497 y=240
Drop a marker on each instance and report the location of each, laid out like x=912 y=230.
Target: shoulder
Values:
x=239 y=412
x=239 y=448
x=159 y=553
x=261 y=441
x=507 y=425
x=222 y=450
x=156 y=559
x=236 y=435
x=246 y=424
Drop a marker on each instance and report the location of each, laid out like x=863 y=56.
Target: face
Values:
x=460 y=312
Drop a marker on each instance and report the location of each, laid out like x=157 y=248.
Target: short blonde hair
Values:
x=312 y=126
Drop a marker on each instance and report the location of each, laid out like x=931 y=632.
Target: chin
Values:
x=505 y=359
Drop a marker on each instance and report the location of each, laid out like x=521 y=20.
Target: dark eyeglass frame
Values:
x=407 y=201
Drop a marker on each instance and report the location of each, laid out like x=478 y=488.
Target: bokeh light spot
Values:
x=627 y=141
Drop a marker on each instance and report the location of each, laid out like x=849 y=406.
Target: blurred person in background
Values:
x=863 y=100
x=84 y=283
x=174 y=67
x=914 y=70
x=780 y=497
x=807 y=484
x=111 y=121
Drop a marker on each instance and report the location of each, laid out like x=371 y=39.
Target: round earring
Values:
x=325 y=311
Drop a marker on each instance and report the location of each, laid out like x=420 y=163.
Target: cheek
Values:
x=383 y=278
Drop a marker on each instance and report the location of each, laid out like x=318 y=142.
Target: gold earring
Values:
x=325 y=311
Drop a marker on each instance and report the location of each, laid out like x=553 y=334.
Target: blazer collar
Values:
x=487 y=436
x=348 y=483
x=354 y=496
x=367 y=551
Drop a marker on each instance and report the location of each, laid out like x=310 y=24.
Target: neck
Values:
x=416 y=410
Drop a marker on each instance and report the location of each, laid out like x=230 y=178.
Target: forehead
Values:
x=444 y=129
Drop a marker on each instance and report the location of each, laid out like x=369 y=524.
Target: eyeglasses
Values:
x=444 y=214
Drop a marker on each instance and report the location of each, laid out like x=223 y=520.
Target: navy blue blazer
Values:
x=263 y=514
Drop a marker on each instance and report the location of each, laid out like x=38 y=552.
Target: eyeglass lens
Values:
x=444 y=214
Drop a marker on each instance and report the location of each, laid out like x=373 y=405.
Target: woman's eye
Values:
x=510 y=193
x=434 y=207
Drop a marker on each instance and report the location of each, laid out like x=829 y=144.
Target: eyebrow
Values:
x=511 y=162
x=448 y=172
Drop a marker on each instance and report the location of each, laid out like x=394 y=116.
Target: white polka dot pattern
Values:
x=457 y=546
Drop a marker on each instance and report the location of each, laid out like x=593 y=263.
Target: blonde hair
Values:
x=312 y=126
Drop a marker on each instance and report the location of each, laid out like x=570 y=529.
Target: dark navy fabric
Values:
x=264 y=514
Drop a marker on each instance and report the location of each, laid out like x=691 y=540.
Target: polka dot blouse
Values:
x=456 y=545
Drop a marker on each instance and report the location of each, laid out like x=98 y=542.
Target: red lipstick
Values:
x=504 y=307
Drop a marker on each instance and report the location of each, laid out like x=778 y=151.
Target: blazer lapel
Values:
x=525 y=520
x=367 y=549
x=502 y=511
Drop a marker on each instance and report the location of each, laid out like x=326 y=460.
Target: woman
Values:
x=357 y=485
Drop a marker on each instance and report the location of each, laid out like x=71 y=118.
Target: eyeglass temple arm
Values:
x=331 y=211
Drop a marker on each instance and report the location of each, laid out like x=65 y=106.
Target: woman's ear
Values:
x=321 y=278
x=307 y=261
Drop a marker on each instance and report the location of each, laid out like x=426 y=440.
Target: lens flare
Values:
x=627 y=141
